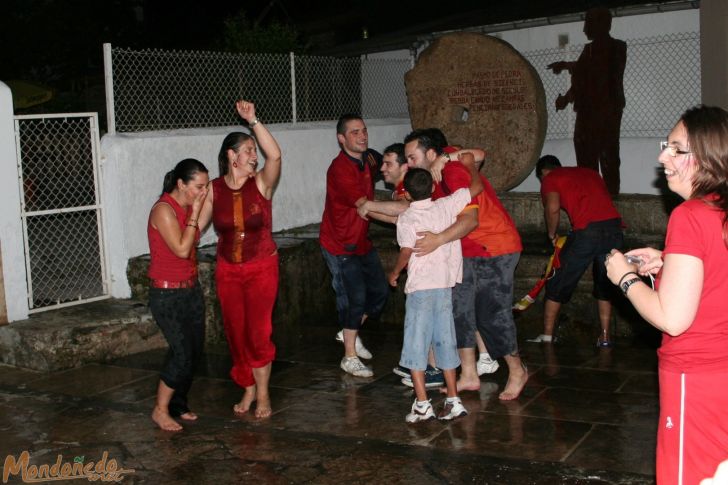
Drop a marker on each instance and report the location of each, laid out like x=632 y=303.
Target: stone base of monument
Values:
x=107 y=329
x=76 y=335
x=305 y=293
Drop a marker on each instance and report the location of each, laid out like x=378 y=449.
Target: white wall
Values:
x=11 y=230
x=638 y=155
x=133 y=168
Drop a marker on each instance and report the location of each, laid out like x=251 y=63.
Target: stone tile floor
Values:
x=587 y=416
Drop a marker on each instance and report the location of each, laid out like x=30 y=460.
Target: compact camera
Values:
x=635 y=260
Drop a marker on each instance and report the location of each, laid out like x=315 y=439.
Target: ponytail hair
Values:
x=185 y=171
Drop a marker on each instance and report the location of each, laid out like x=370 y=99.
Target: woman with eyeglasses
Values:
x=688 y=303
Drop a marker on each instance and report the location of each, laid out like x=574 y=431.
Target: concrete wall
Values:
x=133 y=166
x=638 y=155
x=11 y=229
x=714 y=58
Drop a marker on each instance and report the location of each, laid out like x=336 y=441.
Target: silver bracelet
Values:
x=254 y=122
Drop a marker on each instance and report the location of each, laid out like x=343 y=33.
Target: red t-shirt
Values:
x=583 y=195
x=164 y=264
x=496 y=233
x=399 y=191
x=342 y=230
x=696 y=229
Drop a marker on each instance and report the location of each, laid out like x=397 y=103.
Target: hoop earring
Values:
x=235 y=164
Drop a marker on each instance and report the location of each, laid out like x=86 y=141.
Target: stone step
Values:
x=76 y=335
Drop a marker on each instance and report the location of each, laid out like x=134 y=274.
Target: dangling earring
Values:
x=235 y=164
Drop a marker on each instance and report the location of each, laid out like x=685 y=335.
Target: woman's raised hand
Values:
x=245 y=109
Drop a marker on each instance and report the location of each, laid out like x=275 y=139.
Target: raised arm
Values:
x=438 y=165
x=267 y=178
x=476 y=183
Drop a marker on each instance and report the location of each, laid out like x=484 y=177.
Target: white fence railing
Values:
x=158 y=90
x=63 y=230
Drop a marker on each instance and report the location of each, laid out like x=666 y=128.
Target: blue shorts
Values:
x=584 y=247
x=429 y=322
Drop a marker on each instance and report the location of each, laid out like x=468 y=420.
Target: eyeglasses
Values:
x=672 y=150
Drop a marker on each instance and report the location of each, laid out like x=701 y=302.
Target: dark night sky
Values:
x=59 y=42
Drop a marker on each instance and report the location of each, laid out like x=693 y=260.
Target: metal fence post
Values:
x=109 y=82
x=293 y=87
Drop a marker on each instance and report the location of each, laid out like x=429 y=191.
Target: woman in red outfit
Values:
x=175 y=297
x=239 y=202
x=688 y=304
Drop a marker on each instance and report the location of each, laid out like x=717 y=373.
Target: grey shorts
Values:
x=483 y=302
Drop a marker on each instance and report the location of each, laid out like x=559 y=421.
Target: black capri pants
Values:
x=180 y=314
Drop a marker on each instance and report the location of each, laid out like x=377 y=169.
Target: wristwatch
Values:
x=625 y=286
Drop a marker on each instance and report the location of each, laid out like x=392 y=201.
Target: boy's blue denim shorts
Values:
x=429 y=321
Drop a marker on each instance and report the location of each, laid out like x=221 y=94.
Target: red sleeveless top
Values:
x=164 y=264
x=243 y=222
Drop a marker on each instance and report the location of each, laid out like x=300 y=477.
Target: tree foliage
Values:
x=239 y=34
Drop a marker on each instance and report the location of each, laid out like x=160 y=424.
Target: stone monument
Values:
x=481 y=93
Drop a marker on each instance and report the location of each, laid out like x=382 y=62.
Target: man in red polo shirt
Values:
x=596 y=229
x=356 y=272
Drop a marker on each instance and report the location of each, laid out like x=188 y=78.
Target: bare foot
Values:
x=164 y=420
x=464 y=385
x=244 y=405
x=514 y=386
x=188 y=416
x=262 y=408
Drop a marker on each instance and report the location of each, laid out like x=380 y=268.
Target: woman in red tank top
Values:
x=175 y=297
x=246 y=274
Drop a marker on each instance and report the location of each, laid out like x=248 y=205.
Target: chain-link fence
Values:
x=154 y=90
x=661 y=80
x=60 y=209
x=157 y=90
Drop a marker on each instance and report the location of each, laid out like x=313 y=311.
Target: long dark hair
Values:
x=231 y=142
x=185 y=171
x=707 y=128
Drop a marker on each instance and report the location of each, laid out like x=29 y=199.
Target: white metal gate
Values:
x=63 y=229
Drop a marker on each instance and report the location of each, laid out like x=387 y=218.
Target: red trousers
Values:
x=692 y=434
x=247 y=293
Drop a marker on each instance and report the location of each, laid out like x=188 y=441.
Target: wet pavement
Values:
x=587 y=416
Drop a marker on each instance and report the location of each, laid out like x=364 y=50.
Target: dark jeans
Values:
x=180 y=314
x=360 y=286
x=586 y=246
x=483 y=302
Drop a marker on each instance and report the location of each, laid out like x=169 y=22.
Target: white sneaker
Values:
x=361 y=351
x=486 y=365
x=355 y=367
x=542 y=339
x=453 y=408
x=420 y=413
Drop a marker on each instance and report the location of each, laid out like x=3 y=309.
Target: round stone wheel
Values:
x=481 y=93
